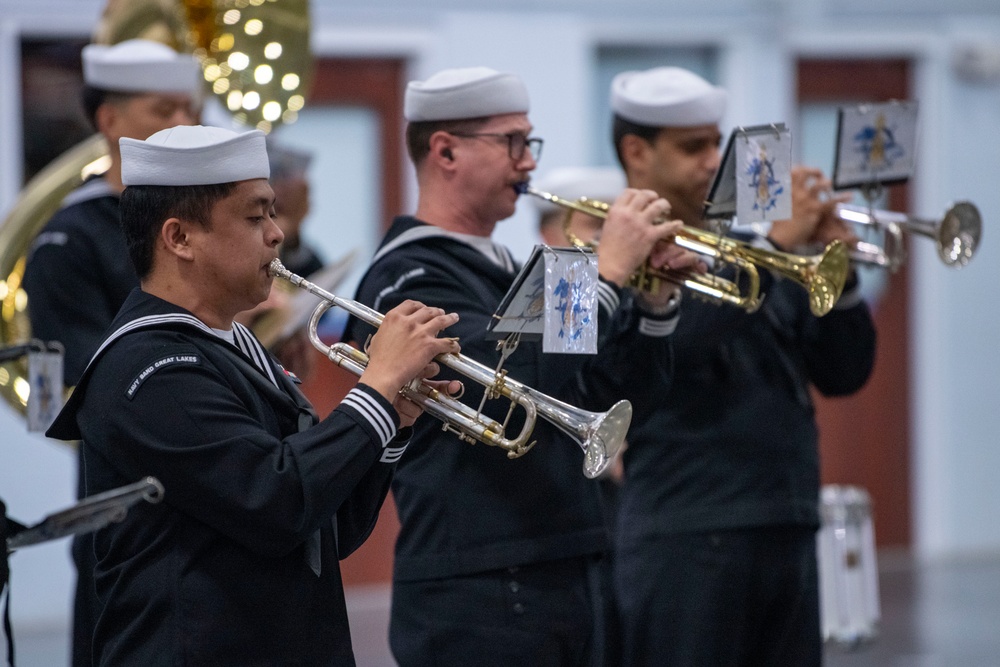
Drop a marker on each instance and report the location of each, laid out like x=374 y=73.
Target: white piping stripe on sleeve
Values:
x=658 y=328
x=848 y=299
x=607 y=296
x=383 y=417
x=47 y=238
x=374 y=413
x=392 y=454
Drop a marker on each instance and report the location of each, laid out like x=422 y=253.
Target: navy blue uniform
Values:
x=78 y=274
x=496 y=557
x=715 y=557
x=239 y=564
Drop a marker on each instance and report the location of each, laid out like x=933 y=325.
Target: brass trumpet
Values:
x=600 y=435
x=956 y=235
x=822 y=275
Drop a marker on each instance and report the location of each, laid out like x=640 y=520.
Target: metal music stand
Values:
x=89 y=514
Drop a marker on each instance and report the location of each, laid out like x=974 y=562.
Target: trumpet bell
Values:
x=956 y=234
x=606 y=437
x=959 y=234
x=827 y=282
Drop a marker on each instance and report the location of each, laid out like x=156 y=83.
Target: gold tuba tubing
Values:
x=600 y=435
x=822 y=275
x=956 y=234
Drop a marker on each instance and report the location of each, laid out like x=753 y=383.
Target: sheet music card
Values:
x=764 y=176
x=554 y=296
x=876 y=144
x=45 y=395
x=753 y=182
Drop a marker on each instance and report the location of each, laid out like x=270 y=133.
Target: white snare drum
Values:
x=848 y=574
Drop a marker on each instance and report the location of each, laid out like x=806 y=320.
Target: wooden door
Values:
x=864 y=439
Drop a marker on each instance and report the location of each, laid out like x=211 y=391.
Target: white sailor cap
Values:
x=140 y=66
x=470 y=92
x=667 y=97
x=600 y=183
x=194 y=155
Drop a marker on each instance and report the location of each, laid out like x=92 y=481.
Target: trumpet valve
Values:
x=495 y=390
x=462 y=435
x=645 y=281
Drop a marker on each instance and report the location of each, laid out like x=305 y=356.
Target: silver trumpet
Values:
x=956 y=235
x=600 y=435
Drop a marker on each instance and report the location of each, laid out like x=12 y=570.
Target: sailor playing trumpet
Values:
x=239 y=564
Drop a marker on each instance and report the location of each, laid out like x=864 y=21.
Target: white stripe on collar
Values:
x=251 y=347
x=495 y=252
x=245 y=340
x=94 y=189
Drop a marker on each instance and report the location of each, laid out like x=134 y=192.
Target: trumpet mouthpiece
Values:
x=276 y=269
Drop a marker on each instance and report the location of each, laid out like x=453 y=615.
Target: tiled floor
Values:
x=936 y=615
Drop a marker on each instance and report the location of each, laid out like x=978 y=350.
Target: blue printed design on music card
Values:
x=570 y=303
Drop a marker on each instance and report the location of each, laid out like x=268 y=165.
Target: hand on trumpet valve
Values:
x=668 y=255
x=630 y=233
x=813 y=211
x=831 y=228
x=404 y=348
x=409 y=411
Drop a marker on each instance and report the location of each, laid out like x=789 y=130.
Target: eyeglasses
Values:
x=516 y=143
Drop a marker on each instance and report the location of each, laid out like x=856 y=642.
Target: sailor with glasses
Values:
x=497 y=560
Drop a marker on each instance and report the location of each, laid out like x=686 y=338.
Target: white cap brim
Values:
x=667 y=97
x=140 y=66
x=194 y=155
x=457 y=94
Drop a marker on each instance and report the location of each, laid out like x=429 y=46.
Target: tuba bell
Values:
x=37 y=202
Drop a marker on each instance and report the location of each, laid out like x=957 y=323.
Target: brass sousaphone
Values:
x=256 y=61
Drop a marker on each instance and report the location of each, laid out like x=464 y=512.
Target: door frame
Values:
x=865 y=438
